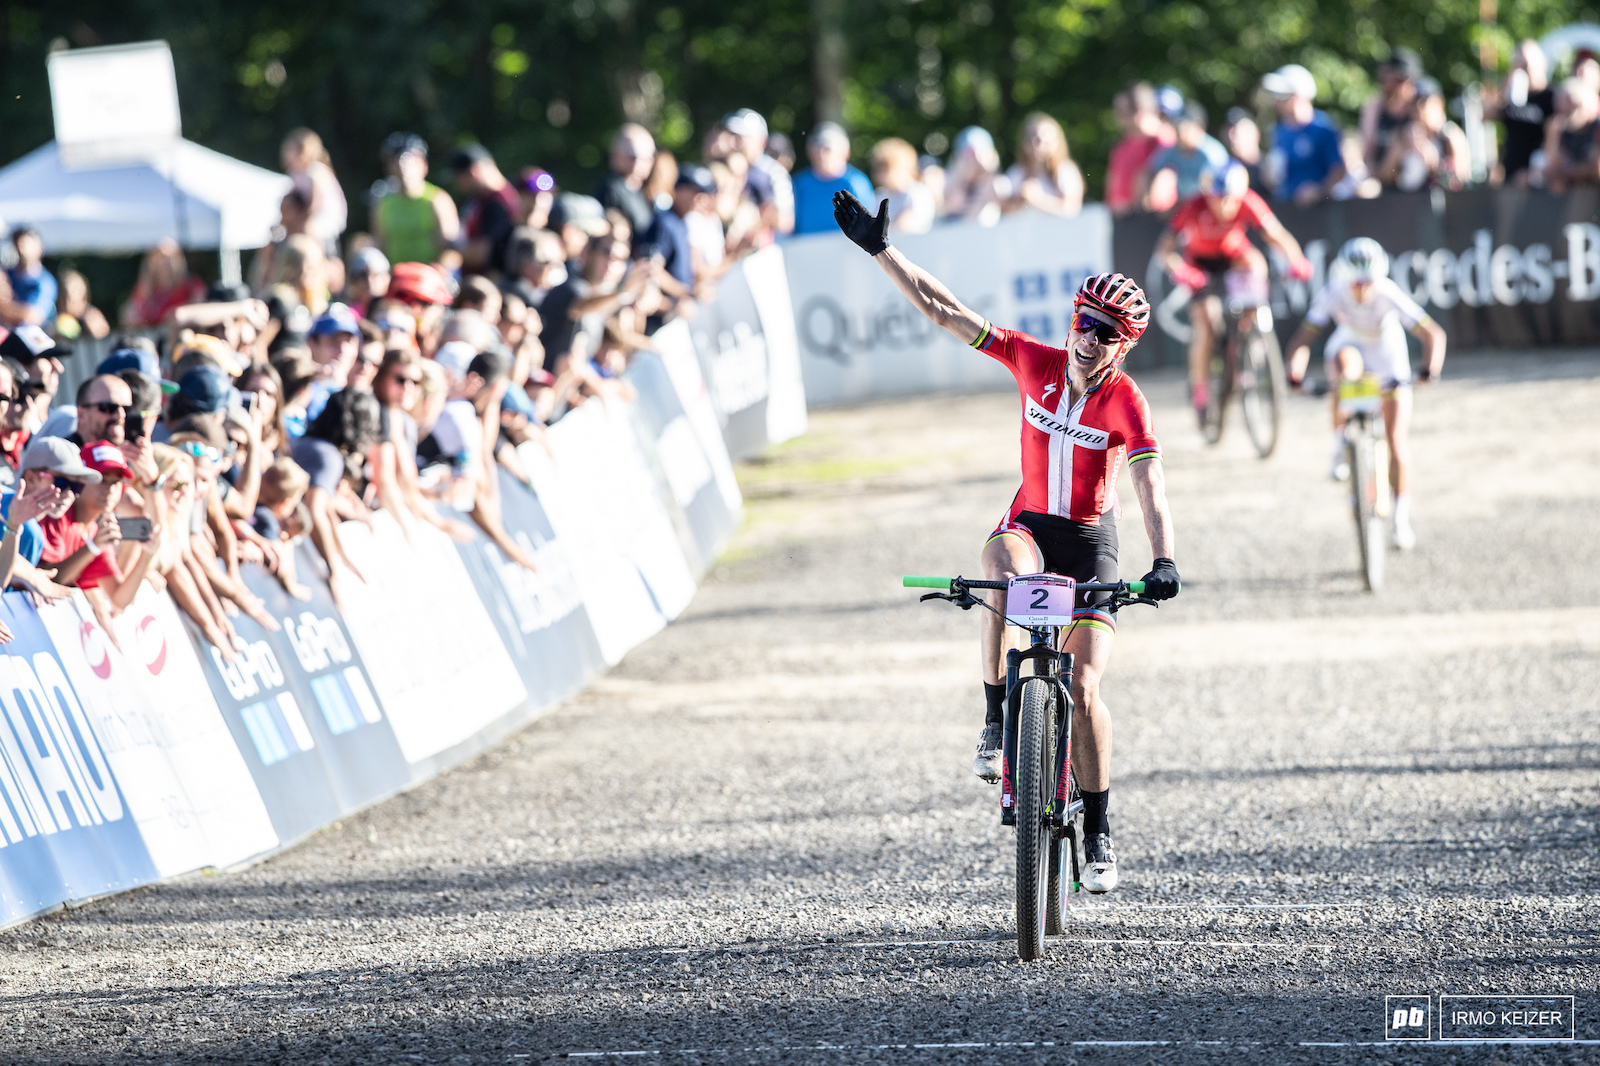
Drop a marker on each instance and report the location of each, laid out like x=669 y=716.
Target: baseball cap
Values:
x=575 y=209
x=368 y=261
x=1193 y=111
x=105 y=458
x=215 y=349
x=536 y=179
x=1291 y=79
x=57 y=455
x=338 y=318
x=745 y=123
x=1170 y=101
x=28 y=341
x=206 y=387
x=469 y=155
x=455 y=357
x=698 y=177
x=541 y=376
x=419 y=283
x=826 y=133
x=398 y=144
x=1404 y=62
x=145 y=362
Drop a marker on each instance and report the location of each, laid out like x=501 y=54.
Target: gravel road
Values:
x=759 y=838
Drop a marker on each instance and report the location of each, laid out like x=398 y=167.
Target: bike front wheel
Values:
x=1263 y=388
x=1035 y=796
x=1364 y=506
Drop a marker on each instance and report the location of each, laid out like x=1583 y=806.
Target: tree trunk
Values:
x=828 y=60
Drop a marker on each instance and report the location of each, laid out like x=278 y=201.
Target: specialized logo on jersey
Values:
x=1057 y=425
x=1048 y=389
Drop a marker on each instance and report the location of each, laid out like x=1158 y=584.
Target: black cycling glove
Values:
x=871 y=233
x=1162 y=583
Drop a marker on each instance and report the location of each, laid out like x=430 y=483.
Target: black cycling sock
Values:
x=996 y=695
x=1095 y=819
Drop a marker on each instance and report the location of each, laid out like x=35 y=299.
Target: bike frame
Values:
x=1056 y=667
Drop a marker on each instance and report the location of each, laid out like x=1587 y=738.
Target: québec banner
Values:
x=143 y=753
x=860 y=339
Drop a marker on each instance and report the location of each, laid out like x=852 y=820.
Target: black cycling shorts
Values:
x=1077 y=550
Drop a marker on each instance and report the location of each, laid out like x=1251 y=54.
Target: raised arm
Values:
x=926 y=293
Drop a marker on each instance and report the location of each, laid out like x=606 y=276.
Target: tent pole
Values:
x=228 y=260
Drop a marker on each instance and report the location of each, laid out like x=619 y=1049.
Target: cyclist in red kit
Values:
x=1082 y=418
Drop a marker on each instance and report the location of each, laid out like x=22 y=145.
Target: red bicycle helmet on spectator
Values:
x=1119 y=298
x=420 y=283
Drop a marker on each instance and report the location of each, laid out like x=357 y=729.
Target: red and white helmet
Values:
x=1117 y=297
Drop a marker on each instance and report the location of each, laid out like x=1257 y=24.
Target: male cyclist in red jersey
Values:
x=1082 y=416
x=1213 y=230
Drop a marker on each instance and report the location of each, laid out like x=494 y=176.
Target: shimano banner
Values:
x=1498 y=267
x=860 y=339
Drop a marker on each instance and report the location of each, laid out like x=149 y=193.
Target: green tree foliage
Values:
x=546 y=81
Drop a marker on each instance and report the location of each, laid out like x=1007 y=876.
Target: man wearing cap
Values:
x=491 y=210
x=770 y=184
x=414 y=221
x=1174 y=172
x=15 y=430
x=366 y=280
x=535 y=264
x=82 y=543
x=536 y=188
x=1305 y=163
x=577 y=219
x=40 y=357
x=335 y=340
x=633 y=153
x=46 y=459
x=828 y=148
x=668 y=235
x=1389 y=109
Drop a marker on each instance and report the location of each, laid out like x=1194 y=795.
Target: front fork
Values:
x=1057 y=666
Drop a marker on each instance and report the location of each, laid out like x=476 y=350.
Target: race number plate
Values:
x=1039 y=600
x=1362 y=396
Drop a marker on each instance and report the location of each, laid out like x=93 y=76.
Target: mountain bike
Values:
x=1245 y=358
x=1367 y=451
x=1042 y=801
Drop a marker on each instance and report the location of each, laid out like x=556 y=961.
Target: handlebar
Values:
x=943 y=584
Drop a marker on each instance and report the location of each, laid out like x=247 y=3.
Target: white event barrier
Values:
x=860 y=339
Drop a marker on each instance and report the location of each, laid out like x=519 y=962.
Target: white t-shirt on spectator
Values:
x=706 y=237
x=1067 y=183
x=911 y=211
x=458 y=433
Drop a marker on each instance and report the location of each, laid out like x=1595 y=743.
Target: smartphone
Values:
x=133 y=428
x=247 y=400
x=134 y=528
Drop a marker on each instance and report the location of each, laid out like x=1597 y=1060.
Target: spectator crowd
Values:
x=398 y=369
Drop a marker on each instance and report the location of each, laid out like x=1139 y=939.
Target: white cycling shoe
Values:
x=987 y=763
x=1401 y=535
x=1341 y=468
x=1099 y=864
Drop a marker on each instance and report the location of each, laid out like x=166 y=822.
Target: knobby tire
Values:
x=1364 y=505
x=1219 y=379
x=1263 y=387
x=1035 y=793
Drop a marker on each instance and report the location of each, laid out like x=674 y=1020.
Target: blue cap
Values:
x=697 y=177
x=207 y=387
x=336 y=319
x=1170 y=101
x=130 y=359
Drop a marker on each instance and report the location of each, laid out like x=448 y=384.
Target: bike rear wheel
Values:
x=1263 y=387
x=1364 y=506
x=1035 y=793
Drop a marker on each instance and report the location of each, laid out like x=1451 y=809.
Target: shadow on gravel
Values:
x=523 y=1023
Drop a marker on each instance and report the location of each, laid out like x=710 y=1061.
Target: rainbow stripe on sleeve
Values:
x=984 y=336
x=1149 y=451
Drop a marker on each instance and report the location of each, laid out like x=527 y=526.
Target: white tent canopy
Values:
x=199 y=198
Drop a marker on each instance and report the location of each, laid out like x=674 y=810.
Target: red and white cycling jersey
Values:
x=1071 y=453
x=1209 y=237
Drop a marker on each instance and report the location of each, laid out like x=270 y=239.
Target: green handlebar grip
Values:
x=1136 y=587
x=926 y=583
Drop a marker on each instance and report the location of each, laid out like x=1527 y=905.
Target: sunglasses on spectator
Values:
x=195 y=449
x=68 y=485
x=405 y=379
x=111 y=408
x=1104 y=332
